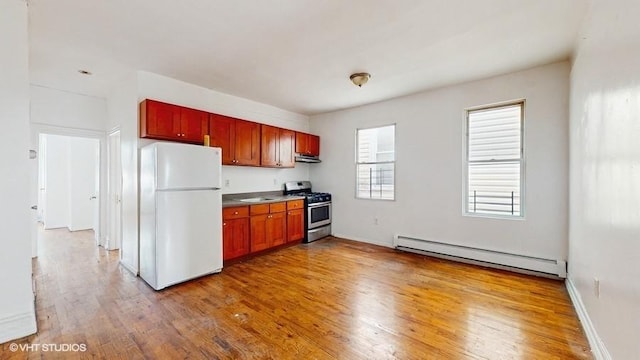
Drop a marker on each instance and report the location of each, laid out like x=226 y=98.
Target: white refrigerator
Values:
x=180 y=213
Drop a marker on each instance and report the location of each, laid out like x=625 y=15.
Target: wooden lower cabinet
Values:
x=295 y=220
x=235 y=232
x=268 y=226
x=251 y=229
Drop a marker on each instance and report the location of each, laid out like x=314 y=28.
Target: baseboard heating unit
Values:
x=497 y=259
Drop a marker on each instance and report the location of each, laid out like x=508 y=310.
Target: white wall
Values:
x=17 y=313
x=241 y=179
x=605 y=176
x=429 y=167
x=68 y=110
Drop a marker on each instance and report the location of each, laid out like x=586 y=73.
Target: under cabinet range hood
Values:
x=307 y=159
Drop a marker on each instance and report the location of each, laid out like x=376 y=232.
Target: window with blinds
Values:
x=495 y=160
x=375 y=163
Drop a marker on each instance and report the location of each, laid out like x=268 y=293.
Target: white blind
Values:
x=495 y=160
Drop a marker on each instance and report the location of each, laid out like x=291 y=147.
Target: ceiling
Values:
x=296 y=54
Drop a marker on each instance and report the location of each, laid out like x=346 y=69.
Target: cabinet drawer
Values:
x=277 y=207
x=259 y=209
x=235 y=212
x=295 y=204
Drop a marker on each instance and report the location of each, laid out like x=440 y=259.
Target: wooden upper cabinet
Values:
x=164 y=121
x=314 y=145
x=287 y=147
x=307 y=144
x=270 y=139
x=247 y=141
x=239 y=140
x=222 y=134
x=277 y=147
x=302 y=143
x=194 y=125
x=159 y=120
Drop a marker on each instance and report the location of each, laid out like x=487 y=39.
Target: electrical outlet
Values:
x=596 y=287
x=226 y=183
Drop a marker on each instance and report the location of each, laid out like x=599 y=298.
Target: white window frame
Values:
x=465 y=183
x=357 y=142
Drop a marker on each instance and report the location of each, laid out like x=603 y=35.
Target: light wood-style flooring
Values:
x=332 y=299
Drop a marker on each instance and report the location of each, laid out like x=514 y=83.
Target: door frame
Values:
x=113 y=239
x=40 y=129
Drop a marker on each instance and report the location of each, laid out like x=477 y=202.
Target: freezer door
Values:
x=184 y=166
x=189 y=235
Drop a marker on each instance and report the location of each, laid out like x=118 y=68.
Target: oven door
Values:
x=319 y=214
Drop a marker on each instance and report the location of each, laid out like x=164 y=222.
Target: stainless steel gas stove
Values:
x=318 y=205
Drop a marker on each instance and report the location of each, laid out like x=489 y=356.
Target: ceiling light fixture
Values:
x=85 y=72
x=359 y=79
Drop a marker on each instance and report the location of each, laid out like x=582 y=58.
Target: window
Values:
x=375 y=163
x=495 y=160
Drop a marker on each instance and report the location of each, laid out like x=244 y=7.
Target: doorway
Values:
x=69 y=182
x=114 y=204
x=62 y=155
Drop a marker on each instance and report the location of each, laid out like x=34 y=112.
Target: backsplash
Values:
x=243 y=179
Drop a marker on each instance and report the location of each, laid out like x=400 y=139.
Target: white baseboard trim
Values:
x=598 y=348
x=17 y=326
x=488 y=257
x=368 y=241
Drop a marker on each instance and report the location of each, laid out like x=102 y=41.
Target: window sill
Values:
x=494 y=216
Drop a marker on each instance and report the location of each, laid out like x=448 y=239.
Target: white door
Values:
x=115 y=192
x=83 y=183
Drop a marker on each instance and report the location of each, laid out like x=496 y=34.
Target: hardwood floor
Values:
x=331 y=299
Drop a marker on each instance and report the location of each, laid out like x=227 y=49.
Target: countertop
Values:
x=260 y=198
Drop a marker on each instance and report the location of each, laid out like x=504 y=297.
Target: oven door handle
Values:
x=319 y=204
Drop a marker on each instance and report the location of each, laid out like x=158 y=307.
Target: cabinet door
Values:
x=276 y=229
x=222 y=133
x=269 y=150
x=313 y=145
x=286 y=144
x=235 y=237
x=194 y=125
x=247 y=143
x=259 y=233
x=295 y=225
x=159 y=120
x=302 y=143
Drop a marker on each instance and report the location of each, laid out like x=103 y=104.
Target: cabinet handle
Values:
x=235 y=213
x=269 y=216
x=224 y=224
